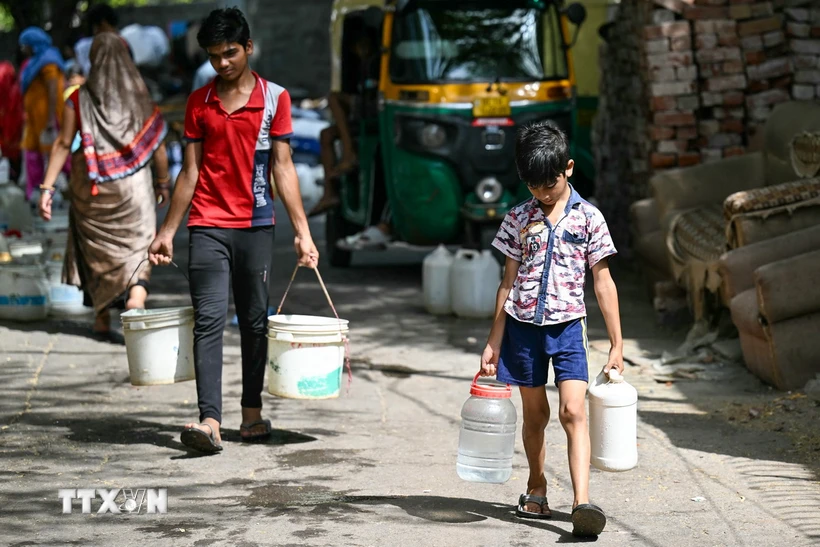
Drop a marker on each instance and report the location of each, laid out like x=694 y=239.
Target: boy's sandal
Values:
x=254 y=437
x=542 y=503
x=588 y=520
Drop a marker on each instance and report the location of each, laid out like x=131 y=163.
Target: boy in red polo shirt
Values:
x=238 y=130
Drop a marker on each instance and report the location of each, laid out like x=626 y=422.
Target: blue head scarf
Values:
x=44 y=54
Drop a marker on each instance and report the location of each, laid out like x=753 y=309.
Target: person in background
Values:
x=113 y=197
x=238 y=130
x=99 y=18
x=42 y=83
x=11 y=116
x=204 y=75
x=346 y=109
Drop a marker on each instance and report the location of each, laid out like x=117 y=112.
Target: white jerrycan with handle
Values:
x=474 y=280
x=613 y=423
x=436 y=281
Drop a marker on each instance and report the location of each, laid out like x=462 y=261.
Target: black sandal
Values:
x=588 y=520
x=541 y=501
x=256 y=436
x=200 y=441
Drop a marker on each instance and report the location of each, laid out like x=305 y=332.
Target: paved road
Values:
x=376 y=466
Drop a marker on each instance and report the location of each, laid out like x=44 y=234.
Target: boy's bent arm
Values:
x=607 y=295
x=489 y=358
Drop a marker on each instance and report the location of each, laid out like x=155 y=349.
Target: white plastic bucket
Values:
x=159 y=345
x=306 y=355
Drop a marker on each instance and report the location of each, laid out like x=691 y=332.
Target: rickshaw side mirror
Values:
x=576 y=13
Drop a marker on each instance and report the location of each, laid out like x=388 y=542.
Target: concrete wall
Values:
x=294 y=42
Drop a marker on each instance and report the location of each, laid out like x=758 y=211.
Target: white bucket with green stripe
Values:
x=306 y=353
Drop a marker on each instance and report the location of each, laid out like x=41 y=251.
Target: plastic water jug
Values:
x=15 y=213
x=474 y=280
x=23 y=292
x=613 y=423
x=486 y=441
x=5 y=170
x=436 y=281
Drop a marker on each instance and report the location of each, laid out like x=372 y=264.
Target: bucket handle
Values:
x=130 y=279
x=332 y=307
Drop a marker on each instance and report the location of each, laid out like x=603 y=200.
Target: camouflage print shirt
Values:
x=549 y=288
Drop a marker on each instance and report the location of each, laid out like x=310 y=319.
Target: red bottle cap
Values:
x=490 y=391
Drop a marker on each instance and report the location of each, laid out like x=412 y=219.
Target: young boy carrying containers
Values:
x=540 y=314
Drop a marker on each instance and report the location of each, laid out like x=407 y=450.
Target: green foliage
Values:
x=6 y=20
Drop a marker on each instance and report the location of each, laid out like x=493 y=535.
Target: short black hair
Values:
x=224 y=26
x=541 y=153
x=101 y=13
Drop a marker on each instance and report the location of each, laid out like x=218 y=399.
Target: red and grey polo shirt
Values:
x=234 y=188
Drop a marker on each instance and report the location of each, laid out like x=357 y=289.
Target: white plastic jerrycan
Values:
x=474 y=280
x=613 y=423
x=486 y=442
x=13 y=207
x=436 y=281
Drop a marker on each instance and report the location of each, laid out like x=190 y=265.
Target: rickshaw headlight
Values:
x=489 y=190
x=432 y=136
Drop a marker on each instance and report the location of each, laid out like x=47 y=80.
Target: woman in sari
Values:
x=112 y=218
x=41 y=82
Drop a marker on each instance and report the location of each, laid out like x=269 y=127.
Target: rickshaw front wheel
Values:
x=336 y=228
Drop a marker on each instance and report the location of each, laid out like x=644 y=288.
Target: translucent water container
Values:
x=487 y=438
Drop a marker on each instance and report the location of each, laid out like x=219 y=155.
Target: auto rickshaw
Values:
x=435 y=144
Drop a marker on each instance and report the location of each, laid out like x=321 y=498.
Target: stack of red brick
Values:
x=722 y=82
x=673 y=88
x=717 y=68
x=766 y=53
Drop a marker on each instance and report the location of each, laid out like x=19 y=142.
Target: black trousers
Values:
x=220 y=257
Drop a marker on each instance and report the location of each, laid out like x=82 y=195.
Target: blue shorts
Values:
x=526 y=350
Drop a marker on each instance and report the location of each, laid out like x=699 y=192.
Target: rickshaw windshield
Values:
x=470 y=42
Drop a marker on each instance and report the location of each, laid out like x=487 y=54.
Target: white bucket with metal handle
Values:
x=306 y=353
x=159 y=345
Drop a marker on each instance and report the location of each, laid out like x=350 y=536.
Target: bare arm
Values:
x=161 y=250
x=161 y=162
x=287 y=186
x=489 y=358
x=607 y=295
x=61 y=147
x=59 y=152
x=162 y=183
